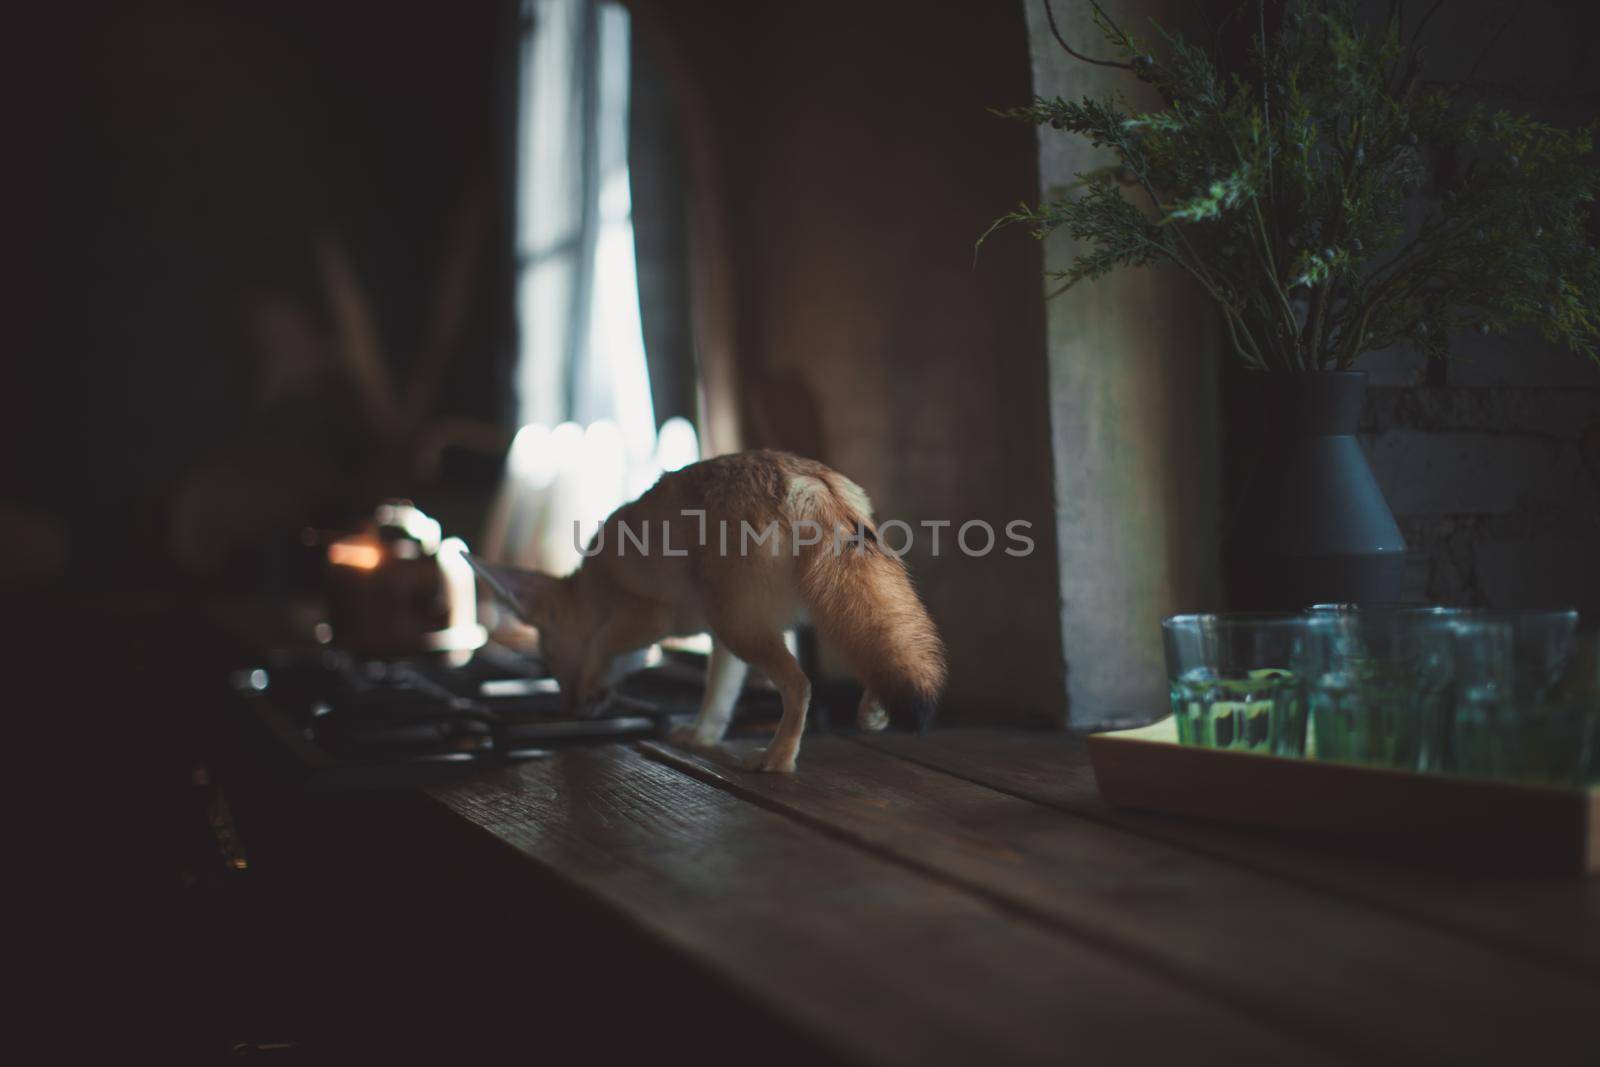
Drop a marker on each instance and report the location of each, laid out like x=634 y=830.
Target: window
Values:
x=589 y=437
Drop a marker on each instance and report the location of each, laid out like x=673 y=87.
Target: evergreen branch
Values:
x=1050 y=16
x=1488 y=46
x=1416 y=35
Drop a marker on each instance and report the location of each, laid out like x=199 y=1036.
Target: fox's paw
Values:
x=768 y=761
x=594 y=704
x=686 y=737
x=870 y=716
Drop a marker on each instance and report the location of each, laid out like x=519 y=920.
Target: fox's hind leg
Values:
x=724 y=680
x=766 y=651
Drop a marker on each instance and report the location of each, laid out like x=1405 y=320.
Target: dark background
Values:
x=175 y=165
x=177 y=413
x=180 y=163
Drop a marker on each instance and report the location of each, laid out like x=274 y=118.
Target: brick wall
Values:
x=1491 y=460
x=1493 y=473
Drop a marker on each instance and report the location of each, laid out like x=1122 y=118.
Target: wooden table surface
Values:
x=966 y=898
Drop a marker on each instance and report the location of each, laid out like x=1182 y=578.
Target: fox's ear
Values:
x=521 y=591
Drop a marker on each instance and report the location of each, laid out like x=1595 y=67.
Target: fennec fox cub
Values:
x=742 y=546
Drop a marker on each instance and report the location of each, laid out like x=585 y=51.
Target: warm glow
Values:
x=363 y=555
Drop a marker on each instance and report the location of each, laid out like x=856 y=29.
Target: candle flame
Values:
x=363 y=555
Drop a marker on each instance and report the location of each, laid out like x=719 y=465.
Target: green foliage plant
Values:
x=1300 y=196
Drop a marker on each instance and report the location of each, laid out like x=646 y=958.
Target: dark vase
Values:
x=1306 y=522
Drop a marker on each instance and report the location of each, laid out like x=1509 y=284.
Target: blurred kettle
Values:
x=398 y=588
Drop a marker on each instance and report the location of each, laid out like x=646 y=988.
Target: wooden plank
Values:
x=1555 y=920
x=1370 y=984
x=887 y=965
x=1430 y=820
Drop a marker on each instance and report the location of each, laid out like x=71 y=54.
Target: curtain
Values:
x=582 y=355
x=586 y=393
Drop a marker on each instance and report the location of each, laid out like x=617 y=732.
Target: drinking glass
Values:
x=1526 y=703
x=1395 y=634
x=1378 y=684
x=1233 y=681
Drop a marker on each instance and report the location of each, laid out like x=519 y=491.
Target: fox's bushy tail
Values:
x=864 y=605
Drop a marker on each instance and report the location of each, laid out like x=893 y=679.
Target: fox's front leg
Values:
x=623 y=633
x=724 y=681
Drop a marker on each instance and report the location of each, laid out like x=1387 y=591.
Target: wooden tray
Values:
x=1437 y=820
